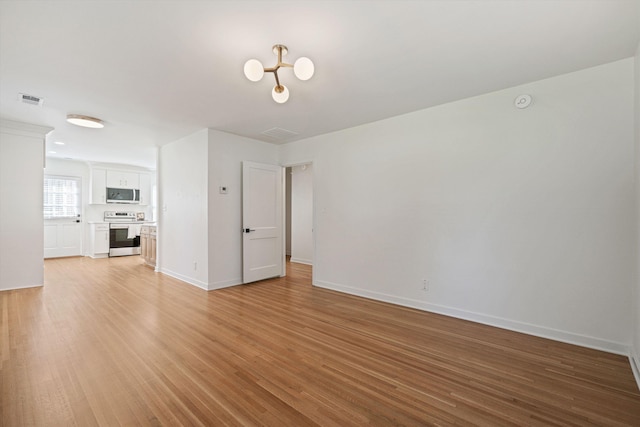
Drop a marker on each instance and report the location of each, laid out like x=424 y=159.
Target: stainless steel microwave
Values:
x=123 y=195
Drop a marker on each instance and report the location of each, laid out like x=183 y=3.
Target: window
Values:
x=61 y=197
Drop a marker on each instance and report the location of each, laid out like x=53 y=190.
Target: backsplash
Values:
x=95 y=213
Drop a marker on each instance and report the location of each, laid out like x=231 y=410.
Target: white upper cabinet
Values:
x=98 y=194
x=120 y=179
x=145 y=189
x=103 y=178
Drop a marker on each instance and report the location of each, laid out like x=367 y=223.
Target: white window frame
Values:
x=62 y=199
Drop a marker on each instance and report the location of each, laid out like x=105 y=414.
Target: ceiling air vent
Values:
x=279 y=134
x=30 y=99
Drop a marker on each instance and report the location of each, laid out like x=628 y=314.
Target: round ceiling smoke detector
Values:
x=522 y=101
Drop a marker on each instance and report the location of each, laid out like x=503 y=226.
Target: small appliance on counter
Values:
x=124 y=232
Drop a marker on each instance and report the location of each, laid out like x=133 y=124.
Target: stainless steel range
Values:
x=124 y=232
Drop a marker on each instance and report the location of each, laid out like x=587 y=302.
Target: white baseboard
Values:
x=15 y=288
x=185 y=279
x=202 y=285
x=224 y=284
x=513 y=325
x=634 y=360
x=301 y=261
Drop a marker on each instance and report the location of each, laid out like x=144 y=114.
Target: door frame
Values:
x=313 y=215
x=60 y=222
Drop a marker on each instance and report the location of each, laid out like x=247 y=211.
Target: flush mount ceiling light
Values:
x=303 y=69
x=85 y=121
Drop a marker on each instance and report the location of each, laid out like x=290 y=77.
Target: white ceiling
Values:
x=156 y=71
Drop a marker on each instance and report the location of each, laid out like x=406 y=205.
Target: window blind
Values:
x=61 y=197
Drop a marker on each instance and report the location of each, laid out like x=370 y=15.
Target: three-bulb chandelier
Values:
x=303 y=69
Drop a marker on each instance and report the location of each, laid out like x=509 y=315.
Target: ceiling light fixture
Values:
x=303 y=69
x=85 y=121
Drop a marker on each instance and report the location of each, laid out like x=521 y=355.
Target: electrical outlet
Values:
x=425 y=285
x=195 y=265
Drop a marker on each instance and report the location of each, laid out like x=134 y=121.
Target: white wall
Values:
x=302 y=214
x=226 y=153
x=200 y=239
x=183 y=216
x=518 y=218
x=21 y=199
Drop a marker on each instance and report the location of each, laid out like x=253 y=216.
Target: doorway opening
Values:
x=299 y=220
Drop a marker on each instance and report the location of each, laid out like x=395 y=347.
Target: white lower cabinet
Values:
x=148 y=244
x=99 y=247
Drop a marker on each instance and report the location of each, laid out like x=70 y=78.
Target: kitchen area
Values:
x=117 y=212
x=123 y=234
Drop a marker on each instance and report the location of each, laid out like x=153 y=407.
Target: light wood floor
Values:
x=110 y=342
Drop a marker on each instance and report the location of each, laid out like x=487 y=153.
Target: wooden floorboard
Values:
x=109 y=342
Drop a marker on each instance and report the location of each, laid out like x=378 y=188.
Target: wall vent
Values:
x=279 y=134
x=30 y=99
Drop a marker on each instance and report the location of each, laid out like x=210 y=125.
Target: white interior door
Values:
x=262 y=219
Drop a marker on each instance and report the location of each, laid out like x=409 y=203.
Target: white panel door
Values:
x=262 y=217
x=61 y=211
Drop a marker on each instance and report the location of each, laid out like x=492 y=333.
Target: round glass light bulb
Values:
x=281 y=97
x=254 y=70
x=303 y=68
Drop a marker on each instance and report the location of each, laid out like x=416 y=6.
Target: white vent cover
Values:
x=279 y=134
x=30 y=99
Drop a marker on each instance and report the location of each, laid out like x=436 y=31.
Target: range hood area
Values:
x=117 y=186
x=123 y=195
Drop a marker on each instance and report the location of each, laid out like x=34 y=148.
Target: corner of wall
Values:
x=224 y=284
x=226 y=154
x=21 y=177
x=183 y=211
x=190 y=280
x=634 y=361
